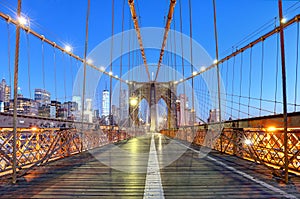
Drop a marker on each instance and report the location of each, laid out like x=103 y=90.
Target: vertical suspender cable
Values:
x=226 y=86
x=16 y=73
x=121 y=64
x=111 y=54
x=218 y=71
x=232 y=87
x=182 y=122
x=65 y=77
x=28 y=63
x=54 y=65
x=241 y=81
x=84 y=70
x=250 y=79
x=43 y=65
x=129 y=47
x=296 y=73
x=284 y=97
x=8 y=53
x=191 y=56
x=261 y=76
x=276 y=73
x=71 y=71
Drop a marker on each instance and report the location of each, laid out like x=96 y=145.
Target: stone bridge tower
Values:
x=153 y=92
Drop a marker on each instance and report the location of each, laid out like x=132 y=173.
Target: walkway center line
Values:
x=153 y=186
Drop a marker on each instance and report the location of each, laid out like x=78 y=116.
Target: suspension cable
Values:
x=111 y=56
x=182 y=52
x=167 y=28
x=42 y=37
x=28 y=63
x=191 y=56
x=250 y=79
x=297 y=65
x=84 y=68
x=276 y=72
x=138 y=33
x=261 y=75
x=71 y=71
x=8 y=54
x=43 y=65
x=65 y=77
x=54 y=65
x=241 y=82
x=251 y=44
x=121 y=62
x=232 y=85
x=16 y=78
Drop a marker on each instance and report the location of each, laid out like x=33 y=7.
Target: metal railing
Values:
x=261 y=145
x=38 y=146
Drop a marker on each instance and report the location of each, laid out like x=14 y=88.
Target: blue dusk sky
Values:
x=238 y=21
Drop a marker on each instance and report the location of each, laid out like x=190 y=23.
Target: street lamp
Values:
x=23 y=21
x=133 y=101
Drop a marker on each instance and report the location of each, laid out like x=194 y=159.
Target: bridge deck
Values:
x=87 y=175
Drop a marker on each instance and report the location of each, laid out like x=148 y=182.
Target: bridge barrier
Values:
x=38 y=146
x=261 y=145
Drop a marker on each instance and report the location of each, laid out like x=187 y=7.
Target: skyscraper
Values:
x=42 y=96
x=123 y=105
x=105 y=103
x=88 y=112
x=183 y=116
x=4 y=92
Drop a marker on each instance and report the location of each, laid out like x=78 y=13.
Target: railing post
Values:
x=16 y=73
x=284 y=97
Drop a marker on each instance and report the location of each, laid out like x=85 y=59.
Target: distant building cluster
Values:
x=185 y=115
x=117 y=115
x=42 y=105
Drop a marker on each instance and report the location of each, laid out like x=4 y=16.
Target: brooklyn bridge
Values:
x=149 y=99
